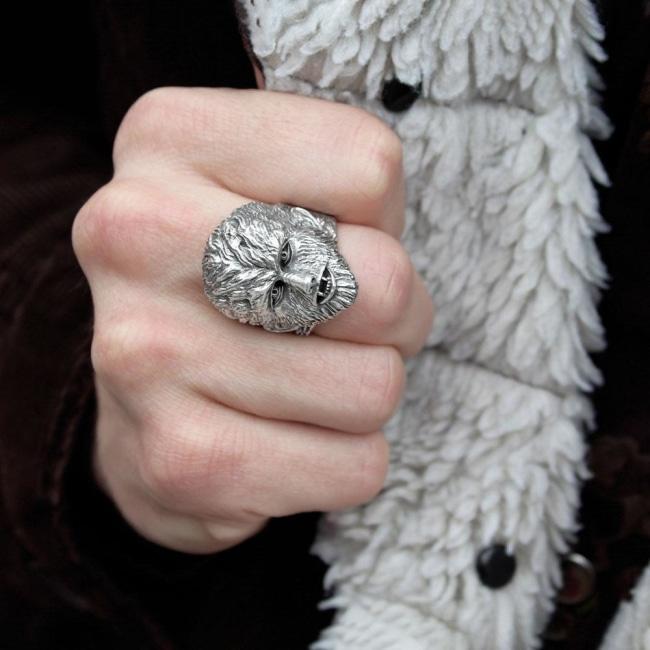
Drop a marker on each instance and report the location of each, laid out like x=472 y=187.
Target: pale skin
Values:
x=208 y=427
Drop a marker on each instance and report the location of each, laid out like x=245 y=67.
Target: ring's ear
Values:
x=321 y=222
x=226 y=242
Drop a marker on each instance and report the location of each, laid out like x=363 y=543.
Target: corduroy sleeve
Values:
x=47 y=171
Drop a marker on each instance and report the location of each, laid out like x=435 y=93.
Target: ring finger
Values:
x=392 y=306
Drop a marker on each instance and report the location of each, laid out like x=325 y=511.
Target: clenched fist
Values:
x=207 y=427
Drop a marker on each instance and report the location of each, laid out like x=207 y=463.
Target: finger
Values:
x=393 y=306
x=118 y=472
x=217 y=462
x=186 y=533
x=273 y=147
x=339 y=385
x=159 y=237
x=345 y=386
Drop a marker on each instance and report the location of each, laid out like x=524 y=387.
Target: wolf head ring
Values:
x=277 y=266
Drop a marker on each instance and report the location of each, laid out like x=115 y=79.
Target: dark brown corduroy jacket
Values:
x=72 y=572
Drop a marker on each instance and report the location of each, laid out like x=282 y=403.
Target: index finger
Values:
x=274 y=147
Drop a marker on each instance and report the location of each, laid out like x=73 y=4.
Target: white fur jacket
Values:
x=488 y=447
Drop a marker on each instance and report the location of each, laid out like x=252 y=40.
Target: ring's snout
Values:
x=305 y=282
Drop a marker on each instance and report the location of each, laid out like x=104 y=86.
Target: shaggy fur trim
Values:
x=488 y=445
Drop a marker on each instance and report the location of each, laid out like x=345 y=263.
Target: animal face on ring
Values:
x=277 y=266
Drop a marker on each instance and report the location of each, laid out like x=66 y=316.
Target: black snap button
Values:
x=397 y=96
x=495 y=566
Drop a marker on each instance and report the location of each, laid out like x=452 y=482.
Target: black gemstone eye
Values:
x=397 y=96
x=276 y=293
x=285 y=253
x=495 y=566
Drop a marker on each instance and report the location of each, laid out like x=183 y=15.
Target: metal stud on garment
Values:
x=578 y=580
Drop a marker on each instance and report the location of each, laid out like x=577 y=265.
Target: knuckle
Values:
x=112 y=347
x=88 y=223
x=100 y=225
x=381 y=385
x=162 y=467
x=148 y=119
x=397 y=284
x=120 y=223
x=380 y=156
x=372 y=467
x=127 y=349
x=176 y=463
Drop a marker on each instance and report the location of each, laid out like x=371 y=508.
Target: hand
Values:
x=207 y=427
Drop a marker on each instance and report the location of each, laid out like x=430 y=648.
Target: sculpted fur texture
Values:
x=277 y=266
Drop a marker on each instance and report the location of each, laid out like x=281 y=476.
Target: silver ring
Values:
x=277 y=266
